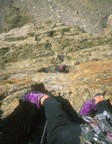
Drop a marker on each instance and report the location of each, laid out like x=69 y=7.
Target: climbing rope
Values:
x=43 y=134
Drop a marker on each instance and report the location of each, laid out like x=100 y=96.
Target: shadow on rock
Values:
x=23 y=125
x=39 y=87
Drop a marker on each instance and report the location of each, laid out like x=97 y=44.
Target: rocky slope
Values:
x=23 y=51
x=88 y=14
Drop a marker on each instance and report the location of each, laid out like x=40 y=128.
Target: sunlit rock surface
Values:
x=23 y=51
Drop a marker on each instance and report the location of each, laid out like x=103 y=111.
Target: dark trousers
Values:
x=60 y=128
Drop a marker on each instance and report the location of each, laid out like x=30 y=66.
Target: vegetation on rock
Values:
x=14 y=18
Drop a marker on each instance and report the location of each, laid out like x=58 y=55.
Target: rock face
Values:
x=88 y=14
x=26 y=50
